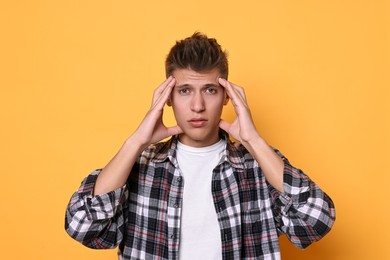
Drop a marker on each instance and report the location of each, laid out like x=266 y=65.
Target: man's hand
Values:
x=242 y=129
x=152 y=128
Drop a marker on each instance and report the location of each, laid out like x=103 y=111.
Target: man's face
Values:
x=197 y=100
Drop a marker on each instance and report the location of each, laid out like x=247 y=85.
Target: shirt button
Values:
x=173 y=237
x=176 y=205
x=179 y=179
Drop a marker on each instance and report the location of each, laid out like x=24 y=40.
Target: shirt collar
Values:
x=232 y=155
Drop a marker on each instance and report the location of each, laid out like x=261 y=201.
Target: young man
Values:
x=198 y=195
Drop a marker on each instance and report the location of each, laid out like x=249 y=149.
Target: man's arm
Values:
x=244 y=130
x=301 y=209
x=151 y=130
x=97 y=221
x=97 y=212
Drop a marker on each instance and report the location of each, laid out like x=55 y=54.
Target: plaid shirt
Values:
x=143 y=217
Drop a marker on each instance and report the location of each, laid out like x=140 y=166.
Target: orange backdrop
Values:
x=77 y=77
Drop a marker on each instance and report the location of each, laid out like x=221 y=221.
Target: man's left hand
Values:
x=242 y=129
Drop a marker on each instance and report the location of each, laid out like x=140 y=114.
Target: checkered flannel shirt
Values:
x=143 y=217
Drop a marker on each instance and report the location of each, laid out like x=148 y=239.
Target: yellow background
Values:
x=77 y=77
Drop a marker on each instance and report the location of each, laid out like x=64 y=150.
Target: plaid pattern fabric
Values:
x=143 y=217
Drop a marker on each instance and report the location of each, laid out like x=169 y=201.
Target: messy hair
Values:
x=198 y=53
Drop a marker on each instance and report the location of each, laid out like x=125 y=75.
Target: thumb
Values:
x=174 y=130
x=224 y=125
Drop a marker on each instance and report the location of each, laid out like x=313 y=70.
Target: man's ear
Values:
x=169 y=102
x=226 y=100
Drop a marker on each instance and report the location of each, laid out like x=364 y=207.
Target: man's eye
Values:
x=184 y=91
x=211 y=90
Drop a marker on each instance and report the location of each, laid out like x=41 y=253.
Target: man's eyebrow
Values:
x=212 y=85
x=182 y=85
x=205 y=85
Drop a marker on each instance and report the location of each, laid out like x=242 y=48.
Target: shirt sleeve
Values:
x=303 y=211
x=96 y=221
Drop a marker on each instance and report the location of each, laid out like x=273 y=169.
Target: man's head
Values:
x=197 y=99
x=198 y=53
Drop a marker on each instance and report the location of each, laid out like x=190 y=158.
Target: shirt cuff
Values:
x=102 y=206
x=296 y=188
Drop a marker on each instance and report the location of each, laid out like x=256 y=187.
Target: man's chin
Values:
x=198 y=137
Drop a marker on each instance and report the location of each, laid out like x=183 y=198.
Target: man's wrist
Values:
x=134 y=143
x=256 y=142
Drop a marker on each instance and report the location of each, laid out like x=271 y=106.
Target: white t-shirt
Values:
x=200 y=236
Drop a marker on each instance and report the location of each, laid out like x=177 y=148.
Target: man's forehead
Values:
x=191 y=77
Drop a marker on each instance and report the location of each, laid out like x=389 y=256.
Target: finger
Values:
x=229 y=88
x=162 y=97
x=233 y=92
x=160 y=89
x=238 y=90
x=174 y=130
x=157 y=92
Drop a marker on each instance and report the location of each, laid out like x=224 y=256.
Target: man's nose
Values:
x=197 y=103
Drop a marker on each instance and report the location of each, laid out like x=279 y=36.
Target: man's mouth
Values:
x=197 y=122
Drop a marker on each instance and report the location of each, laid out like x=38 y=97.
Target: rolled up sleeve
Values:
x=303 y=211
x=96 y=221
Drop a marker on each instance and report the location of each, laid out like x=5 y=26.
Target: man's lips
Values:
x=197 y=122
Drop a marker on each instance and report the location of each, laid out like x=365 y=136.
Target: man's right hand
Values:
x=152 y=128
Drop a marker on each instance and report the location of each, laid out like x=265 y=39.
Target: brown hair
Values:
x=198 y=53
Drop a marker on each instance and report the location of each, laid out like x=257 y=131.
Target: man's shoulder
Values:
x=159 y=147
x=237 y=149
x=156 y=151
